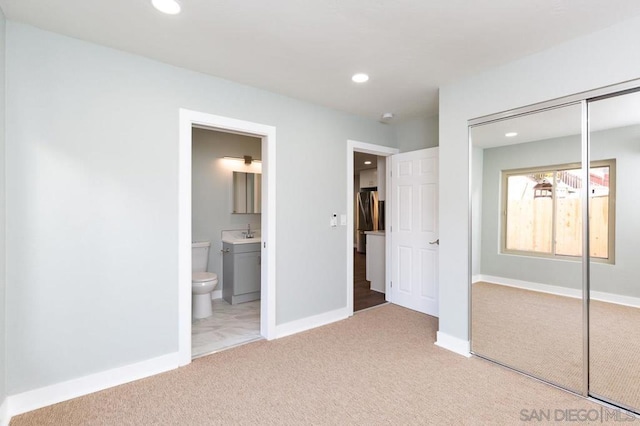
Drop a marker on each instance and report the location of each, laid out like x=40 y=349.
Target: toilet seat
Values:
x=203 y=277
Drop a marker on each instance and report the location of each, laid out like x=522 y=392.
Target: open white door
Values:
x=414 y=230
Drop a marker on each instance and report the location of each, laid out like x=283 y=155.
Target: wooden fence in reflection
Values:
x=530 y=226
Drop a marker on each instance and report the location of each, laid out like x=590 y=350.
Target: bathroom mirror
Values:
x=526 y=284
x=247 y=193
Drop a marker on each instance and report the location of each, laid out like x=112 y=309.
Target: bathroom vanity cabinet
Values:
x=241 y=272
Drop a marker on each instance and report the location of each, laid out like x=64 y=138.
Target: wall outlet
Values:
x=334 y=220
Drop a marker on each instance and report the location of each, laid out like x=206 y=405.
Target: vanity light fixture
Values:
x=247 y=159
x=511 y=134
x=170 y=7
x=360 y=78
x=367 y=162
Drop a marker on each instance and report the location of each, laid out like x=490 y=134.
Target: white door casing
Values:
x=380 y=151
x=414 y=230
x=188 y=120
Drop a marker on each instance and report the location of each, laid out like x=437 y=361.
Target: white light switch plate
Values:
x=334 y=220
x=343 y=220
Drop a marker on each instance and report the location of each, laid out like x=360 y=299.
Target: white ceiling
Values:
x=309 y=49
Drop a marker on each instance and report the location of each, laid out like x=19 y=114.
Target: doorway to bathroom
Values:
x=226 y=170
x=219 y=156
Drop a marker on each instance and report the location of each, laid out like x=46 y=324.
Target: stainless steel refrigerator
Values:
x=367 y=217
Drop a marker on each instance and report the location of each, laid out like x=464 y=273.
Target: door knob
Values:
x=435 y=242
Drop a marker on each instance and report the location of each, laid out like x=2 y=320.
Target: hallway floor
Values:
x=363 y=296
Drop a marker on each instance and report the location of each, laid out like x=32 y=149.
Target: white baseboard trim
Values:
x=560 y=291
x=5 y=418
x=305 y=324
x=453 y=344
x=48 y=395
x=618 y=299
x=530 y=285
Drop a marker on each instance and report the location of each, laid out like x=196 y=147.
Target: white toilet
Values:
x=202 y=282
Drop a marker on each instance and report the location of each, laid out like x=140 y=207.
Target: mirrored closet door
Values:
x=555 y=273
x=614 y=305
x=527 y=244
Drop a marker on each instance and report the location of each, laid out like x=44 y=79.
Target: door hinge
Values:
x=391 y=284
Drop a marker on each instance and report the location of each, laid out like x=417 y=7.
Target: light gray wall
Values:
x=623 y=145
x=606 y=57
x=620 y=278
x=92 y=196
x=3 y=327
x=212 y=200
x=416 y=133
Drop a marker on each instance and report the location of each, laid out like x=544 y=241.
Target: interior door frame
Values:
x=381 y=151
x=187 y=120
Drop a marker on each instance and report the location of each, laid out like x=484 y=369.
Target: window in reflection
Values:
x=543 y=210
x=529 y=210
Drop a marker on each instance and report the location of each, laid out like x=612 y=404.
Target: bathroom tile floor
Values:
x=230 y=325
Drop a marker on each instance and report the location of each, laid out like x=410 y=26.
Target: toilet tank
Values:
x=199 y=256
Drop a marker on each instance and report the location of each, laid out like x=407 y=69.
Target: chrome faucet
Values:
x=248 y=234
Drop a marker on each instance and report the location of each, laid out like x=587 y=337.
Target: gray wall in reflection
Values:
x=477 y=157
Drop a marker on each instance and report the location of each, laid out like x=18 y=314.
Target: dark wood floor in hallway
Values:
x=363 y=296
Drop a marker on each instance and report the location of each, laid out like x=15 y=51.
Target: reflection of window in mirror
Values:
x=542 y=210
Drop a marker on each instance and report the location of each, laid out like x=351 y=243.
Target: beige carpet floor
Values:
x=379 y=367
x=541 y=334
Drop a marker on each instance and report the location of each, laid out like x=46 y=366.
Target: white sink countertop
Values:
x=381 y=233
x=239 y=237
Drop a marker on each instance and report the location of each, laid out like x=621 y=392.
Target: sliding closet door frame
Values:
x=622 y=90
x=517 y=113
x=584 y=98
x=590 y=95
x=586 y=258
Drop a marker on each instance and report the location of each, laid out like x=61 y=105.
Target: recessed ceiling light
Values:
x=511 y=134
x=360 y=78
x=170 y=7
x=367 y=162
